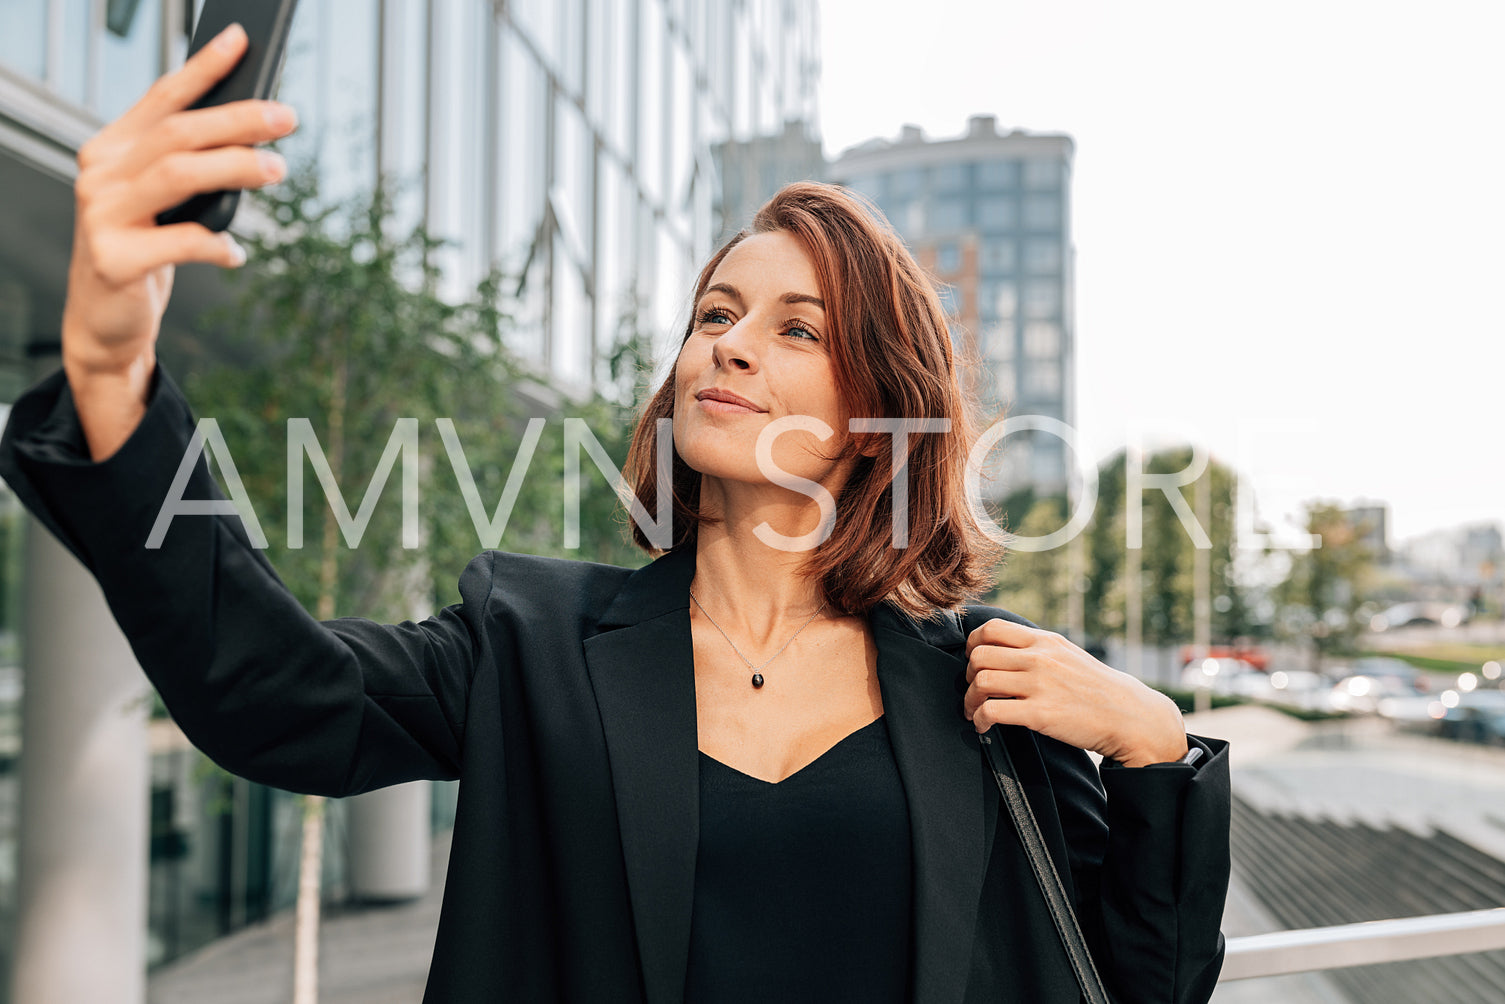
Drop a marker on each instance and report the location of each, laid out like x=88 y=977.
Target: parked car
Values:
x=1478 y=717
x=1221 y=676
x=1365 y=692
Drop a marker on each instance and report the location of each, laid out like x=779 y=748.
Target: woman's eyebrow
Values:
x=729 y=290
x=724 y=287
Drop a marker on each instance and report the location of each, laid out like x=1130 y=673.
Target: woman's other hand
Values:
x=153 y=157
x=1018 y=675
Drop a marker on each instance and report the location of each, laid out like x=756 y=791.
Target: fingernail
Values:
x=281 y=117
x=272 y=164
x=237 y=253
x=228 y=39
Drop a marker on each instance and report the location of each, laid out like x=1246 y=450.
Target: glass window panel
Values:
x=682 y=146
x=1042 y=212
x=573 y=185
x=1042 y=379
x=129 y=61
x=613 y=250
x=650 y=151
x=347 y=159
x=456 y=195
x=948 y=256
x=908 y=183
x=948 y=214
x=950 y=177
x=1003 y=381
x=1042 y=299
x=539 y=21
x=625 y=65
x=742 y=96
x=600 y=70
x=1049 y=467
x=1042 y=174
x=670 y=292
x=996 y=212
x=304 y=86
x=997 y=300
x=405 y=118
x=1042 y=340
x=525 y=333
x=569 y=46
x=998 y=342
x=522 y=151
x=1042 y=255
x=72 y=77
x=997 y=255
x=23 y=36
x=570 y=323
x=871 y=185
x=998 y=174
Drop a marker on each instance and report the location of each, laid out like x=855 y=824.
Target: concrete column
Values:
x=84 y=775
x=389 y=841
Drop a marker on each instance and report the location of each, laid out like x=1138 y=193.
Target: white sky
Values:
x=1289 y=219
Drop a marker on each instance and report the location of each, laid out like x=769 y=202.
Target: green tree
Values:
x=1318 y=600
x=1036 y=583
x=1167 y=555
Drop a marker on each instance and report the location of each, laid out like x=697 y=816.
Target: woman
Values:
x=742 y=771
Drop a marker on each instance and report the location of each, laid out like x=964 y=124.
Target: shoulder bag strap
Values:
x=1001 y=765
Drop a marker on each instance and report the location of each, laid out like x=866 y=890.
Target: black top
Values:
x=803 y=888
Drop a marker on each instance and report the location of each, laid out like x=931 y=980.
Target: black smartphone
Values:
x=256 y=75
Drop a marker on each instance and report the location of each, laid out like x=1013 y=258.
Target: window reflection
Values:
x=997 y=254
x=23 y=37
x=1042 y=174
x=129 y=59
x=1042 y=255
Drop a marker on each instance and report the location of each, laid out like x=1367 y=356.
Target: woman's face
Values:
x=759 y=352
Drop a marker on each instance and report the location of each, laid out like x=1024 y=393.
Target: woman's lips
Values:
x=721 y=402
x=716 y=407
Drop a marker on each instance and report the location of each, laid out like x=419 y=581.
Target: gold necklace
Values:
x=757 y=671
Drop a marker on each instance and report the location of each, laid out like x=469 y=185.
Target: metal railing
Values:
x=1344 y=945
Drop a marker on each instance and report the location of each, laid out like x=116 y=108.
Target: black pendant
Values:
x=757 y=679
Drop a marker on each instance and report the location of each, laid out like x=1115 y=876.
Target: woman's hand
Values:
x=150 y=159
x=1018 y=675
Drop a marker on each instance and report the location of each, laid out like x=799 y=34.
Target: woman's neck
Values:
x=754 y=589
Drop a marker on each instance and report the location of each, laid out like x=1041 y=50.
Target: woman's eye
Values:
x=800 y=331
x=715 y=315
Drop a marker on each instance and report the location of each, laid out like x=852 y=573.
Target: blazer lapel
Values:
x=641 y=667
x=953 y=806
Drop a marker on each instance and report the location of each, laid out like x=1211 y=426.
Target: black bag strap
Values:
x=1001 y=765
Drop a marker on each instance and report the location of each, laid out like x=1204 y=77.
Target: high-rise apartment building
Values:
x=989 y=214
x=566 y=141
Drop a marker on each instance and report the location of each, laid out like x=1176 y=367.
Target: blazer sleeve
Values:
x=1149 y=868
x=259 y=685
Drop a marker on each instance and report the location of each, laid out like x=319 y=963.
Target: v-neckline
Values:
x=790 y=777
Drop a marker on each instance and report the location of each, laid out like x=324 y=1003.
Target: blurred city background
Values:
x=1248 y=254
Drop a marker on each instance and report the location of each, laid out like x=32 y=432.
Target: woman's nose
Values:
x=734 y=349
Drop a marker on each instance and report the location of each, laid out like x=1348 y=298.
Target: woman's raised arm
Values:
x=94 y=452
x=120 y=277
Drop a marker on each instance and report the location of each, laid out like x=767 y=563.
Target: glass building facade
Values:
x=989 y=215
x=566 y=142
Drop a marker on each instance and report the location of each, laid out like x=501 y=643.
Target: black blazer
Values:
x=561 y=694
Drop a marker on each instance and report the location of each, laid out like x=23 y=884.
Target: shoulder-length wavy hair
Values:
x=892 y=357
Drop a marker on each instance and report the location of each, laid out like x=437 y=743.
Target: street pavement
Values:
x=367 y=955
